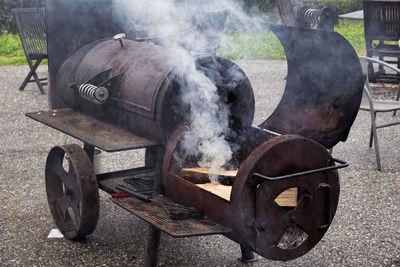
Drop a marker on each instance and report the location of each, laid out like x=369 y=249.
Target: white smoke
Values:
x=171 y=20
x=209 y=118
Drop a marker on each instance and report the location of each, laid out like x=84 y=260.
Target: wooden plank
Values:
x=223 y=191
x=287 y=198
x=207 y=171
x=201 y=175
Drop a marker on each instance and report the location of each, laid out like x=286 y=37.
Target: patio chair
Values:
x=382 y=33
x=375 y=106
x=32 y=32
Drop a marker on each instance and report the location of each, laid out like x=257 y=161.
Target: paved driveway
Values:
x=365 y=231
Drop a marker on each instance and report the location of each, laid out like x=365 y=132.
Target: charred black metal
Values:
x=138 y=195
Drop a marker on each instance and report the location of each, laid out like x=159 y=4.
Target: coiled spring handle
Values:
x=324 y=18
x=92 y=93
x=312 y=15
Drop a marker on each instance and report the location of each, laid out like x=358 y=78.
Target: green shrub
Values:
x=353 y=31
x=10 y=45
x=11 y=52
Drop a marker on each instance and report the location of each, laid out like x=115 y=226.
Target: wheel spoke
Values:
x=75 y=205
x=65 y=203
x=59 y=170
x=70 y=181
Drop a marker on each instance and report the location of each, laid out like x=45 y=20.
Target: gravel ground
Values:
x=365 y=230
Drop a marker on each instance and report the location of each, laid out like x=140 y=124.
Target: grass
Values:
x=353 y=31
x=11 y=52
x=251 y=46
x=233 y=46
x=266 y=45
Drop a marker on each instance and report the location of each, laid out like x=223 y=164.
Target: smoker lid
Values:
x=324 y=86
x=144 y=66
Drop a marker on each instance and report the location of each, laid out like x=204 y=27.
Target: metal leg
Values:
x=398 y=89
x=150 y=157
x=89 y=149
x=375 y=136
x=373 y=127
x=153 y=236
x=371 y=135
x=247 y=255
x=158 y=186
x=153 y=244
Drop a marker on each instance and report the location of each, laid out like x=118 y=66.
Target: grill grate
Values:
x=163 y=213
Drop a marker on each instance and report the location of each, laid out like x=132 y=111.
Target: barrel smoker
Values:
x=118 y=94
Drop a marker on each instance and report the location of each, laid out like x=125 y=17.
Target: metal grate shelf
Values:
x=158 y=211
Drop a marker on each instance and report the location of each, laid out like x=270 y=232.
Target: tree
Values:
x=7 y=21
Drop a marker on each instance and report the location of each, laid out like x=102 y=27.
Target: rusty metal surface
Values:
x=145 y=67
x=92 y=131
x=187 y=193
x=73 y=195
x=147 y=98
x=158 y=211
x=324 y=86
x=258 y=218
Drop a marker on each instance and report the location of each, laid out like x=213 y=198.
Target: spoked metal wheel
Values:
x=72 y=191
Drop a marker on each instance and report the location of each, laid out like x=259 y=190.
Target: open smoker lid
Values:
x=324 y=86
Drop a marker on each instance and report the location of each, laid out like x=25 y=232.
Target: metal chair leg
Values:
x=371 y=134
x=375 y=136
x=398 y=90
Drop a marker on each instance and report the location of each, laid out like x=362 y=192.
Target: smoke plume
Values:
x=172 y=23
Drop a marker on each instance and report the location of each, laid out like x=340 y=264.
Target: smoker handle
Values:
x=133 y=193
x=342 y=164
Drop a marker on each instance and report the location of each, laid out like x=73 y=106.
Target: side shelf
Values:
x=94 y=132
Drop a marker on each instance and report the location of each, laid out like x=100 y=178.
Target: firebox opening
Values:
x=288 y=198
x=292 y=238
x=218 y=182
